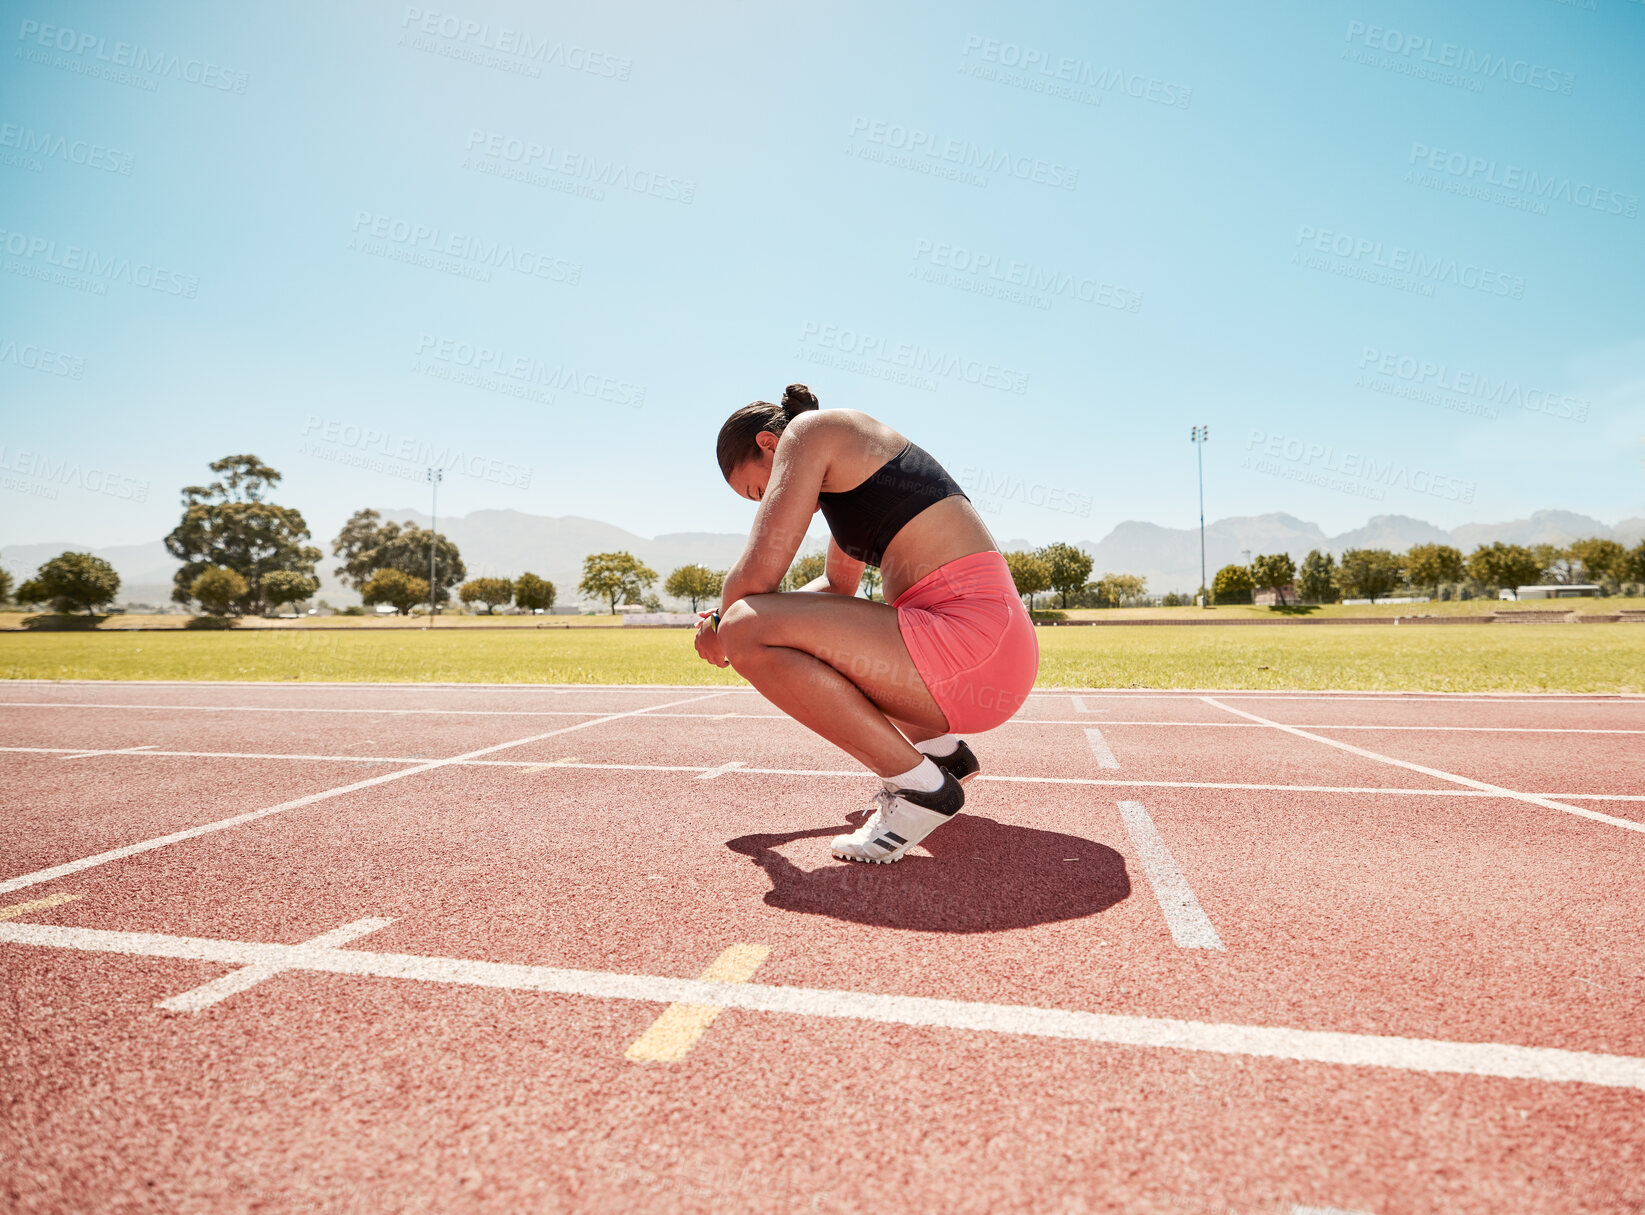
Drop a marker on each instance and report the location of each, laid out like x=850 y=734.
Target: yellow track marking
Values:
x=556 y=763
x=51 y=900
x=672 y=1035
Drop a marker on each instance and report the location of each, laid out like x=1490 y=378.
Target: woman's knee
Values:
x=740 y=630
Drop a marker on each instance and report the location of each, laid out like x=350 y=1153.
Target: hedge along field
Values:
x=1445 y=658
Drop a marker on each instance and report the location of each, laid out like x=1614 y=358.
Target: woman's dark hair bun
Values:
x=797 y=398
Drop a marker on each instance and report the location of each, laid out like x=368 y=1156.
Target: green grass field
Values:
x=1450 y=607
x=1451 y=658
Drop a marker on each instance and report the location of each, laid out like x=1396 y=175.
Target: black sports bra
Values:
x=866 y=518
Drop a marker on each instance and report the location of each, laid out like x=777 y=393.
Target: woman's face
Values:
x=751 y=476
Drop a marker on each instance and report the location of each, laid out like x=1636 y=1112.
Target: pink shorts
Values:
x=971 y=641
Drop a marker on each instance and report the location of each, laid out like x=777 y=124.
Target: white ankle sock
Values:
x=943 y=744
x=924 y=777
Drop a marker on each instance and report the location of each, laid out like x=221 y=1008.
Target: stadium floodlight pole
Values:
x=434 y=475
x=1198 y=436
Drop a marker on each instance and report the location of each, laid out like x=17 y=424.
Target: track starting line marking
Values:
x=248 y=977
x=672 y=1035
x=1190 y=926
x=51 y=900
x=1100 y=749
x=1426 y=1055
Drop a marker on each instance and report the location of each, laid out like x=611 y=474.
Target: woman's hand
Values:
x=708 y=641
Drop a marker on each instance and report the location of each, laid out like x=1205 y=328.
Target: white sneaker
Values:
x=901 y=818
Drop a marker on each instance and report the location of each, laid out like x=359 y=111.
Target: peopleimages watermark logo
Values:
x=1012 y=280
x=922 y=367
x=379 y=450
x=24 y=147
x=1460 y=389
x=90 y=54
x=1063 y=76
x=558 y=168
x=1396 y=266
x=1448 y=63
x=82 y=269
x=950 y=157
x=503 y=47
x=511 y=374
x=1511 y=185
x=32 y=356
x=1328 y=467
x=433 y=248
x=43 y=476
x=990 y=489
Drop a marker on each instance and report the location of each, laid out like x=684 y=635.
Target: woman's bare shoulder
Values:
x=849 y=432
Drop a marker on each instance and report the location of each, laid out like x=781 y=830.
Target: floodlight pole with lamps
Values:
x=1198 y=435
x=434 y=476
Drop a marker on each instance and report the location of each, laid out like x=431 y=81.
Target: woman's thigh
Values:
x=857 y=637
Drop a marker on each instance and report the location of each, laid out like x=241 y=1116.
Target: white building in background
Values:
x=1572 y=590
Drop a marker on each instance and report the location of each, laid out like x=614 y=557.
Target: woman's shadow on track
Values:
x=981 y=876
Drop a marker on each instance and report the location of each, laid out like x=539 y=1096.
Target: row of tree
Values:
x=241 y=553
x=1376 y=573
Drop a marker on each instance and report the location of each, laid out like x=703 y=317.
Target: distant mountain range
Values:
x=505 y=543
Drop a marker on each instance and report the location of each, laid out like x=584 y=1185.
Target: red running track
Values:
x=1221 y=952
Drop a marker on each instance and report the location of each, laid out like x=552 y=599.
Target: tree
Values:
x=1233 y=584
x=805 y=570
x=1030 y=573
x=1555 y=563
x=1600 y=558
x=1069 y=568
x=871 y=581
x=285 y=586
x=1498 y=565
x=1632 y=564
x=1116 y=590
x=72 y=582
x=6 y=585
x=220 y=590
x=395 y=587
x=532 y=593
x=229 y=523
x=492 y=592
x=367 y=546
x=1317 y=580
x=1274 y=572
x=1367 y=573
x=1431 y=564
x=698 y=583
x=613 y=576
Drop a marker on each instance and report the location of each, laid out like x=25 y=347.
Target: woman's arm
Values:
x=842 y=575
x=785 y=510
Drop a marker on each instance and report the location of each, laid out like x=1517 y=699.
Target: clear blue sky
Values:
x=269 y=229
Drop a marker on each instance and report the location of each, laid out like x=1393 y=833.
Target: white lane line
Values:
x=1121 y=783
x=248 y=977
x=1275 y=1042
x=112 y=751
x=1497 y=790
x=728 y=766
x=287 y=687
x=783 y=717
x=1100 y=748
x=1190 y=926
x=66 y=704
x=1542 y=699
x=103 y=858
